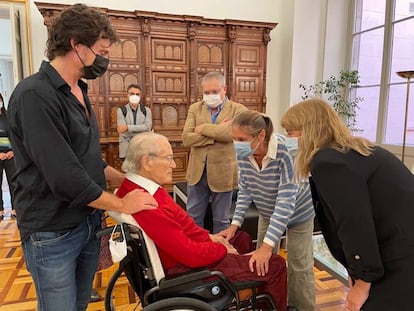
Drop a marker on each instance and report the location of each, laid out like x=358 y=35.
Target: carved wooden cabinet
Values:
x=168 y=55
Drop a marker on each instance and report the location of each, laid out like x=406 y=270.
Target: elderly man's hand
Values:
x=231 y=249
x=217 y=238
x=229 y=232
x=221 y=240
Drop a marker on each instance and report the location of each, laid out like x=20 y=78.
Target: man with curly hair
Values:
x=60 y=175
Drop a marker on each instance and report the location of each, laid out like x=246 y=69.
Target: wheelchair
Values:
x=140 y=283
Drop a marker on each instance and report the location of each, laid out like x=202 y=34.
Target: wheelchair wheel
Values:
x=119 y=295
x=179 y=304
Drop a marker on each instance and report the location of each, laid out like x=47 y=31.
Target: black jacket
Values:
x=365 y=206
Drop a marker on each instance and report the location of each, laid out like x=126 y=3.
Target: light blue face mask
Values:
x=243 y=148
x=292 y=143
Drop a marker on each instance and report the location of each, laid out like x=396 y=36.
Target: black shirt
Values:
x=4 y=133
x=59 y=167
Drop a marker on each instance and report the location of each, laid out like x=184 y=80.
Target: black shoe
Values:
x=95 y=296
x=292 y=308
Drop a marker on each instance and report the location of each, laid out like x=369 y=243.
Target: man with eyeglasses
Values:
x=183 y=245
x=212 y=168
x=132 y=118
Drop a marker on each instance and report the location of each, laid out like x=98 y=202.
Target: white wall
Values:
x=319 y=42
x=6 y=38
x=297 y=53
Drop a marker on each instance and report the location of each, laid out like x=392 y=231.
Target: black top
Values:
x=4 y=132
x=59 y=167
x=365 y=206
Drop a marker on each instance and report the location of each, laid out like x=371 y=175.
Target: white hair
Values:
x=139 y=146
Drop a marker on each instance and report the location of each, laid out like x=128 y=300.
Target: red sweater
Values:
x=178 y=239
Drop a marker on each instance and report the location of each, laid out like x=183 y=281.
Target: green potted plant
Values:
x=340 y=93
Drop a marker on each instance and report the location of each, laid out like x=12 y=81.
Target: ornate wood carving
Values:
x=168 y=55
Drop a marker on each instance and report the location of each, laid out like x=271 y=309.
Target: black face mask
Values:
x=98 y=67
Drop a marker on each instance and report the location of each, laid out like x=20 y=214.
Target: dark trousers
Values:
x=9 y=167
x=236 y=269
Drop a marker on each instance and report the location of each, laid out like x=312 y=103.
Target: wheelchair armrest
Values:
x=186 y=277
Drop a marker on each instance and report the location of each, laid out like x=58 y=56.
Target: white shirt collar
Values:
x=145 y=183
x=270 y=155
x=271 y=148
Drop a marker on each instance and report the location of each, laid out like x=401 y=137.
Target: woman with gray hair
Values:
x=266 y=179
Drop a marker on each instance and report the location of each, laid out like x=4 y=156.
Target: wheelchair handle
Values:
x=103 y=232
x=108 y=230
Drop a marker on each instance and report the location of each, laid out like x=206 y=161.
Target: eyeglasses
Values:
x=168 y=158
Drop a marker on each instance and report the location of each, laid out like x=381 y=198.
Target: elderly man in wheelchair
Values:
x=187 y=263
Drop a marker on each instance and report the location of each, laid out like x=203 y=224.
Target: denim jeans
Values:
x=63 y=264
x=198 y=197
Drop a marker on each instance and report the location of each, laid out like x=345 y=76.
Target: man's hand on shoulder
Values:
x=137 y=201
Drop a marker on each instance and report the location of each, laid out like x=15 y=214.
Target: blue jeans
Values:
x=198 y=197
x=63 y=264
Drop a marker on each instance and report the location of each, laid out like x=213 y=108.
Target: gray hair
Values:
x=253 y=122
x=141 y=145
x=214 y=75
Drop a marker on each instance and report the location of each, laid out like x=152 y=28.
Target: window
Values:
x=382 y=44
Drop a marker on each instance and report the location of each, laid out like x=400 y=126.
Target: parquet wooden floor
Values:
x=17 y=291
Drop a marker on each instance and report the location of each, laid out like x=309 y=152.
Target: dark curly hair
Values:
x=79 y=22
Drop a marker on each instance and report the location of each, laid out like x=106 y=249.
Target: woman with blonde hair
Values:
x=364 y=199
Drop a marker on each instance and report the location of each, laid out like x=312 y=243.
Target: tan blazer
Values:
x=212 y=147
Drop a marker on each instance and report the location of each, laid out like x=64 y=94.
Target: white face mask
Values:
x=212 y=100
x=134 y=99
x=118 y=244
